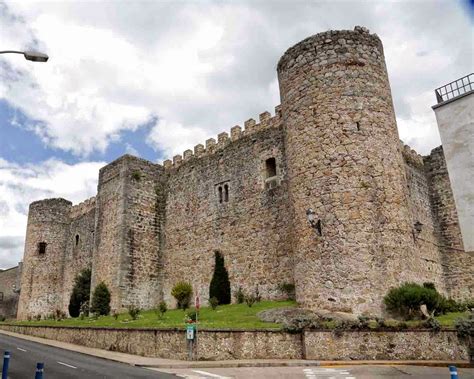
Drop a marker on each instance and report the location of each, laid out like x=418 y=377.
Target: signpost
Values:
x=191 y=330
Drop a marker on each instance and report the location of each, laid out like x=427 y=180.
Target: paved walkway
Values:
x=136 y=360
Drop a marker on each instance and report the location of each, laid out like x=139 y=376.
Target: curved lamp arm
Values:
x=29 y=55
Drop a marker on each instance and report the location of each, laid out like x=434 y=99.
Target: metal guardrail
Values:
x=455 y=89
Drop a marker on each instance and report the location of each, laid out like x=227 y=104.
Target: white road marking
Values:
x=65 y=364
x=19 y=348
x=210 y=374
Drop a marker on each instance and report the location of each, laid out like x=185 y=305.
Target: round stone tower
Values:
x=43 y=261
x=345 y=172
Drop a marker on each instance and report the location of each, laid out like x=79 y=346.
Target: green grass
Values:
x=449 y=319
x=235 y=316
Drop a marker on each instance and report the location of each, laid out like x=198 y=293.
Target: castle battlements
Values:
x=266 y=121
x=83 y=207
x=411 y=156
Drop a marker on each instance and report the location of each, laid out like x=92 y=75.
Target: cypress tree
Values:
x=101 y=300
x=220 y=284
x=80 y=292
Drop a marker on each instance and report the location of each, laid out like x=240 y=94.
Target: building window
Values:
x=270 y=166
x=1 y=296
x=226 y=193
x=42 y=248
x=77 y=239
x=219 y=190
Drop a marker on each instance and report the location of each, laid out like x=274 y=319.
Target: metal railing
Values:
x=455 y=89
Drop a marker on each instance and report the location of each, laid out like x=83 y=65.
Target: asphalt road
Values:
x=61 y=364
x=337 y=372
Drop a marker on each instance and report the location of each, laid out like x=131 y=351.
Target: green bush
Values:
x=101 y=300
x=239 y=296
x=405 y=301
x=220 y=284
x=162 y=309
x=80 y=292
x=133 y=311
x=213 y=302
x=191 y=316
x=2 y=318
x=465 y=327
x=182 y=292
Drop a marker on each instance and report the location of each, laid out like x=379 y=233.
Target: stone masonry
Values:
x=331 y=147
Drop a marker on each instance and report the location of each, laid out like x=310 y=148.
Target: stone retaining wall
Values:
x=263 y=344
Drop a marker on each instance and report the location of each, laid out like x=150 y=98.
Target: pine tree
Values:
x=220 y=285
x=80 y=292
x=101 y=300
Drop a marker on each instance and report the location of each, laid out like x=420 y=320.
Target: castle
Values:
x=322 y=194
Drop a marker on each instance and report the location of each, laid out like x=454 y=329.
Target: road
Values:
x=61 y=364
x=349 y=372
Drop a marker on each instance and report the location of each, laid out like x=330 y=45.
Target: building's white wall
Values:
x=456 y=127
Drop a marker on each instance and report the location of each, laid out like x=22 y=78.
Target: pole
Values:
x=39 y=370
x=454 y=372
x=6 y=362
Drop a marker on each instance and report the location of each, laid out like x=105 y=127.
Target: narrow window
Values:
x=77 y=239
x=270 y=165
x=226 y=193
x=1 y=296
x=42 y=248
x=220 y=194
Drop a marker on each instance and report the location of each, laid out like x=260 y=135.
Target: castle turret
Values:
x=345 y=172
x=43 y=261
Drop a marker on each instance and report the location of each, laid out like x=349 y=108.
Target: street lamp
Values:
x=34 y=56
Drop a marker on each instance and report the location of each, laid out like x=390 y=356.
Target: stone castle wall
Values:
x=9 y=282
x=331 y=146
x=458 y=267
x=250 y=229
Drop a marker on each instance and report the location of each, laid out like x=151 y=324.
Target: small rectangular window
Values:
x=42 y=248
x=270 y=166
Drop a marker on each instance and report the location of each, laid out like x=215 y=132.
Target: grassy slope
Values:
x=236 y=316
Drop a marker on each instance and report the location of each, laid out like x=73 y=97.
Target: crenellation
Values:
x=222 y=140
x=210 y=145
x=235 y=132
x=177 y=159
x=249 y=126
x=188 y=154
x=167 y=164
x=83 y=207
x=199 y=150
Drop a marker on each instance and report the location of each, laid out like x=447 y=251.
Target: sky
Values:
x=153 y=79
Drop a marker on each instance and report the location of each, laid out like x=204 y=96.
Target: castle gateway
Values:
x=322 y=194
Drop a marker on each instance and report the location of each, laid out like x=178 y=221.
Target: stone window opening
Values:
x=226 y=193
x=42 y=248
x=270 y=167
x=358 y=126
x=1 y=297
x=77 y=239
x=219 y=190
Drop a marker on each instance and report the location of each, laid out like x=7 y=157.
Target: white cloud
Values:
x=22 y=184
x=116 y=66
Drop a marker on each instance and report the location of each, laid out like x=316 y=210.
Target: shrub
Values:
x=136 y=175
x=2 y=318
x=133 y=311
x=465 y=327
x=162 y=309
x=406 y=300
x=250 y=300
x=80 y=292
x=182 y=292
x=239 y=296
x=213 y=302
x=220 y=284
x=101 y=300
x=191 y=316
x=429 y=285
x=288 y=289
x=433 y=324
x=115 y=315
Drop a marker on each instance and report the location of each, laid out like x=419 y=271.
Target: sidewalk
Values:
x=136 y=360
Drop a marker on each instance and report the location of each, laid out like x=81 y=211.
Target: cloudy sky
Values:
x=155 y=78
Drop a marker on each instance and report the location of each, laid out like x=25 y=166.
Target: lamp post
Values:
x=33 y=56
